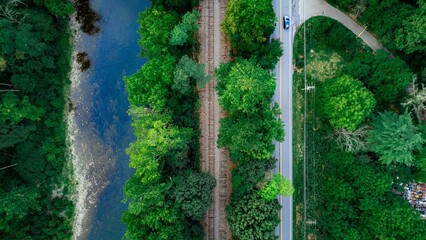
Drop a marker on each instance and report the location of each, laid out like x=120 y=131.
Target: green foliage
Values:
x=249 y=22
x=3 y=64
x=384 y=75
x=346 y=102
x=248 y=174
x=156 y=139
x=252 y=217
x=35 y=46
x=168 y=196
x=357 y=197
x=155 y=25
x=13 y=110
x=192 y=194
x=151 y=85
x=15 y=206
x=394 y=137
x=411 y=37
x=389 y=79
x=180 y=6
x=186 y=30
x=60 y=8
x=185 y=70
x=397 y=220
x=246 y=88
x=252 y=135
x=150 y=215
x=350 y=195
x=278 y=185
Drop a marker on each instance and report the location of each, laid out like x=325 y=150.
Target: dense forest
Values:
x=245 y=87
x=35 y=174
x=365 y=133
x=168 y=195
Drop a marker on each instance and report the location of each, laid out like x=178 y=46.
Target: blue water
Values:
x=113 y=53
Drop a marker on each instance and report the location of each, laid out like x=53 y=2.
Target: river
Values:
x=100 y=129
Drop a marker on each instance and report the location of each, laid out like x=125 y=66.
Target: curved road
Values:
x=298 y=13
x=312 y=8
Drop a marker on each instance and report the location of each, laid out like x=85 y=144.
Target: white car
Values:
x=286 y=21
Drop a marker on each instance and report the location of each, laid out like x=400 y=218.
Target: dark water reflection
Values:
x=113 y=54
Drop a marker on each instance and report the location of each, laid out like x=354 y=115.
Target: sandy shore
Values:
x=91 y=160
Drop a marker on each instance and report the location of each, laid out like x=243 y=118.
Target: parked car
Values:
x=286 y=21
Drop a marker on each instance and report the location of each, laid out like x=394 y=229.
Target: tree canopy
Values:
x=346 y=102
x=185 y=31
x=395 y=137
x=411 y=37
x=277 y=185
x=192 y=194
x=252 y=135
x=247 y=88
x=248 y=22
x=151 y=84
x=155 y=26
x=252 y=217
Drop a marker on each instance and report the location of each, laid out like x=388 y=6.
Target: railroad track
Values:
x=213 y=50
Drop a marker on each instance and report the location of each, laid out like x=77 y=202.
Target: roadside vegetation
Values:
x=401 y=27
x=245 y=87
x=35 y=172
x=168 y=195
x=364 y=137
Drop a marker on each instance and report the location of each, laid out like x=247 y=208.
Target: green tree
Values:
x=247 y=88
x=151 y=85
x=396 y=220
x=155 y=26
x=180 y=6
x=249 y=22
x=150 y=216
x=346 y=102
x=185 y=70
x=192 y=193
x=252 y=217
x=15 y=117
x=252 y=135
x=156 y=139
x=60 y=8
x=185 y=31
x=15 y=206
x=390 y=78
x=248 y=174
x=394 y=137
x=411 y=37
x=278 y=185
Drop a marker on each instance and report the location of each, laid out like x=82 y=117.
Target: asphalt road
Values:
x=283 y=96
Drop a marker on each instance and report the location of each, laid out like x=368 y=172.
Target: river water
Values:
x=100 y=128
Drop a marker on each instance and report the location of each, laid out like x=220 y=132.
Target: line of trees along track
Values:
x=245 y=86
x=168 y=193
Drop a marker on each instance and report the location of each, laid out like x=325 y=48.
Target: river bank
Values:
x=85 y=147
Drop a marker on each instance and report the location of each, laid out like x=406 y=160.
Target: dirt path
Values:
x=213 y=51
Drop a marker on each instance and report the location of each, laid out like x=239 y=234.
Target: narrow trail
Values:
x=213 y=51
